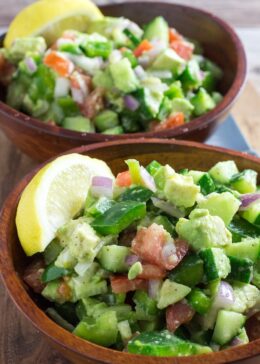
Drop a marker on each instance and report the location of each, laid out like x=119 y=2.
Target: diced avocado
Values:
x=182 y=105
x=124 y=330
x=123 y=76
x=228 y=325
x=170 y=293
x=164 y=343
x=202 y=102
x=248 y=248
x=112 y=258
x=135 y=270
x=225 y=205
x=196 y=175
x=191 y=76
x=78 y=123
x=244 y=182
x=252 y=214
x=223 y=171
x=241 y=269
x=203 y=230
x=103 y=79
x=157 y=29
x=169 y=60
x=246 y=296
x=181 y=190
x=102 y=331
x=216 y=263
x=189 y=272
x=106 y=119
x=24 y=45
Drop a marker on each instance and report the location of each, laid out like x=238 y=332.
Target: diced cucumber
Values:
x=153 y=167
x=99 y=207
x=164 y=343
x=102 y=331
x=117 y=130
x=207 y=184
x=51 y=272
x=157 y=29
x=78 y=123
x=169 y=60
x=123 y=76
x=170 y=293
x=213 y=68
x=256 y=275
x=103 y=79
x=216 y=263
x=248 y=249
x=136 y=193
x=112 y=258
x=241 y=228
x=252 y=214
x=189 y=272
x=196 y=175
x=225 y=205
x=52 y=251
x=182 y=105
x=165 y=222
x=119 y=217
x=106 y=119
x=59 y=319
x=241 y=269
x=51 y=292
x=228 y=325
x=145 y=307
x=244 y=182
x=199 y=301
x=222 y=172
x=202 y=102
x=191 y=76
x=242 y=337
x=175 y=91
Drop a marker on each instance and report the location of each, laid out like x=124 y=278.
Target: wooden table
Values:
x=20 y=343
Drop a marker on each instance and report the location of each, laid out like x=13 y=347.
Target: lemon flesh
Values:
x=51 y=18
x=54 y=196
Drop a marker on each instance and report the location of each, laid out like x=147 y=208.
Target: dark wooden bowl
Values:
x=179 y=154
x=221 y=44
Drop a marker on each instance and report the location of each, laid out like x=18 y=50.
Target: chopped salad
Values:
x=118 y=78
x=158 y=262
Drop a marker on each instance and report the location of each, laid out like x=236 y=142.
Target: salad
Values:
x=118 y=78
x=158 y=262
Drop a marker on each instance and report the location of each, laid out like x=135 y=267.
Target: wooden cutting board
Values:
x=21 y=343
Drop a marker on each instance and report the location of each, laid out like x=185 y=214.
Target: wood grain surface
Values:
x=19 y=342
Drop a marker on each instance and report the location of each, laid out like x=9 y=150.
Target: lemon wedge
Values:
x=50 y=18
x=55 y=195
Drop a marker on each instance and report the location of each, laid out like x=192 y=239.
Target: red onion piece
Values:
x=31 y=65
x=147 y=179
x=131 y=103
x=236 y=341
x=77 y=95
x=102 y=186
x=154 y=287
x=144 y=61
x=131 y=259
x=169 y=253
x=140 y=72
x=225 y=296
x=167 y=207
x=248 y=199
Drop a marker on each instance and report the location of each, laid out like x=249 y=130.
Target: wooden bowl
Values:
x=221 y=44
x=179 y=154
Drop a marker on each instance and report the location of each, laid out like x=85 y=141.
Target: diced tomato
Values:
x=149 y=242
x=32 y=275
x=151 y=271
x=121 y=284
x=174 y=35
x=172 y=121
x=60 y=64
x=144 y=46
x=93 y=103
x=183 y=49
x=178 y=314
x=123 y=179
x=64 y=291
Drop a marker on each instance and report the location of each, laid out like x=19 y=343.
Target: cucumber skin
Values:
x=241 y=269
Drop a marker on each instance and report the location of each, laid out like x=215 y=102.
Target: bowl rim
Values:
x=198 y=123
x=60 y=336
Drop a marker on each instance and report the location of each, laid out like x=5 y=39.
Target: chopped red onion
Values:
x=77 y=95
x=140 y=72
x=154 y=287
x=147 y=179
x=131 y=103
x=225 y=296
x=62 y=86
x=144 y=61
x=167 y=207
x=248 y=199
x=236 y=342
x=31 y=65
x=162 y=74
x=102 y=186
x=158 y=47
x=115 y=56
x=131 y=259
